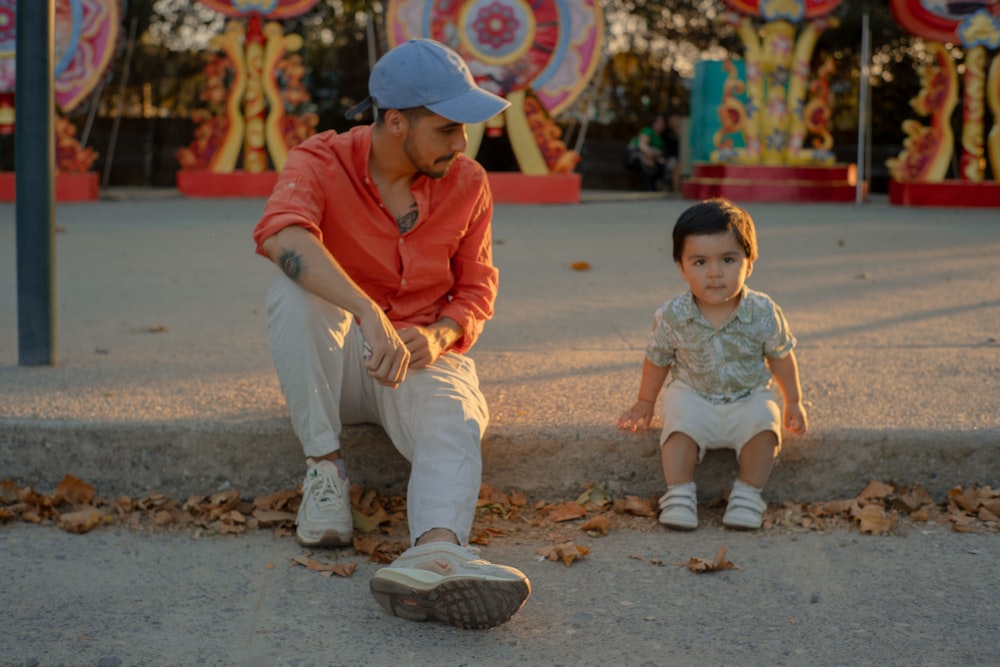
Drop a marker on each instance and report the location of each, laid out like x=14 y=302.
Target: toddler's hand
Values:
x=637 y=417
x=795 y=418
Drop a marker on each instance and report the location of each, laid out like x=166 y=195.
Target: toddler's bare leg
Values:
x=757 y=459
x=680 y=454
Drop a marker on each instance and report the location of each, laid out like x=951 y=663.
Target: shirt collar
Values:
x=743 y=311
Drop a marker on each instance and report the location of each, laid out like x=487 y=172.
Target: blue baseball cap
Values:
x=426 y=73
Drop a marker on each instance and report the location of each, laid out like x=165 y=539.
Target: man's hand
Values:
x=389 y=354
x=427 y=344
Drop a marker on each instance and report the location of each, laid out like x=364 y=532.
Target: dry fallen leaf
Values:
x=271 y=517
x=597 y=524
x=567 y=552
x=835 y=507
x=286 y=500
x=969 y=499
x=378 y=549
x=369 y=523
x=700 y=565
x=639 y=506
x=74 y=491
x=327 y=569
x=9 y=492
x=566 y=512
x=876 y=489
x=596 y=494
x=873 y=519
x=81 y=521
x=915 y=498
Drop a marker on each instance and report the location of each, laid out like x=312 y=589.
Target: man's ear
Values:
x=395 y=121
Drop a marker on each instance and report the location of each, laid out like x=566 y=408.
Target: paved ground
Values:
x=115 y=598
x=164 y=379
x=164 y=382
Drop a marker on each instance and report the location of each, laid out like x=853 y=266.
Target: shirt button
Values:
x=400 y=241
x=404 y=281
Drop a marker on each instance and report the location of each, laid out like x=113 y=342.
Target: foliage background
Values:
x=142 y=114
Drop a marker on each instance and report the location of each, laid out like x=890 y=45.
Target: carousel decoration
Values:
x=86 y=38
x=774 y=141
x=540 y=56
x=919 y=172
x=256 y=106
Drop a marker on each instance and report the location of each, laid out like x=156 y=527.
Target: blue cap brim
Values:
x=473 y=106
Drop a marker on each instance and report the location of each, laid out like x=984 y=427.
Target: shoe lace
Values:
x=322 y=490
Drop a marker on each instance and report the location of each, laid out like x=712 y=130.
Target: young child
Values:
x=721 y=343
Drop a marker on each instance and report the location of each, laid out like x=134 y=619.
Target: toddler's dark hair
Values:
x=716 y=216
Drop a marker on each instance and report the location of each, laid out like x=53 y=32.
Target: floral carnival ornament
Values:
x=250 y=118
x=540 y=55
x=928 y=149
x=784 y=106
x=86 y=38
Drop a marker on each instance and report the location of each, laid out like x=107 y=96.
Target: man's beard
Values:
x=428 y=170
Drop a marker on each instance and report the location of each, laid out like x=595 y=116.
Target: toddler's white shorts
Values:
x=719 y=426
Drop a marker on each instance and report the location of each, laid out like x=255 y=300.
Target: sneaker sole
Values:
x=330 y=539
x=472 y=604
x=737 y=525
x=678 y=525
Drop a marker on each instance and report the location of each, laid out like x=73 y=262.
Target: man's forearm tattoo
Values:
x=407 y=220
x=291 y=263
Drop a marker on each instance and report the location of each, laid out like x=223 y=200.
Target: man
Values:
x=383 y=235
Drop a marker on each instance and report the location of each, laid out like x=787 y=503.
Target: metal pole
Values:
x=34 y=159
x=122 y=88
x=370 y=38
x=863 y=89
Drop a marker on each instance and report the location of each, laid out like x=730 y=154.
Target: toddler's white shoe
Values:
x=745 y=509
x=679 y=507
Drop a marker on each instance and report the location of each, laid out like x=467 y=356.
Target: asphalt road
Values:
x=112 y=597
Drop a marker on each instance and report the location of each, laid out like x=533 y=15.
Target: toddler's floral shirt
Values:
x=724 y=364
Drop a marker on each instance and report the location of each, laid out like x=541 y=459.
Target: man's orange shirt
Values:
x=442 y=267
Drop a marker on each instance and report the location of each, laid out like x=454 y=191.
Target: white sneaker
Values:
x=324 y=518
x=679 y=507
x=444 y=582
x=745 y=508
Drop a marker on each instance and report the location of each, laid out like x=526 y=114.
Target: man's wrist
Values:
x=447 y=330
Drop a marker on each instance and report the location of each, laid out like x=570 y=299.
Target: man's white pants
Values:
x=436 y=417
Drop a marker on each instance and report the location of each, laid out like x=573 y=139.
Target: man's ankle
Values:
x=436 y=535
x=336 y=460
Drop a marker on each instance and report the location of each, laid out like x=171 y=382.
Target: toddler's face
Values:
x=715 y=267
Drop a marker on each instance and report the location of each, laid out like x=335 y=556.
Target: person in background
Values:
x=646 y=153
x=383 y=238
x=671 y=136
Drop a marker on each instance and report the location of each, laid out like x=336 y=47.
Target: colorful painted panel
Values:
x=967 y=22
x=549 y=46
x=86 y=36
x=274 y=9
x=789 y=10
